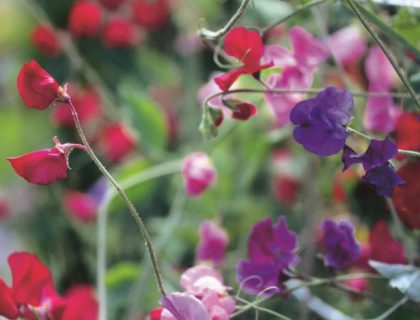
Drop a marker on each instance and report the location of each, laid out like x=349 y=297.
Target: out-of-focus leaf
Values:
x=406 y=23
x=121 y=273
x=405 y=278
x=272 y=10
x=149 y=120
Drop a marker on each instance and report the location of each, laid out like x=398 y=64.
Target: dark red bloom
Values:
x=286 y=188
x=4 y=207
x=81 y=304
x=111 y=4
x=383 y=247
x=36 y=86
x=45 y=39
x=247 y=46
x=151 y=14
x=407 y=131
x=45 y=166
x=120 y=33
x=116 y=142
x=85 y=19
x=405 y=198
x=88 y=106
x=244 y=111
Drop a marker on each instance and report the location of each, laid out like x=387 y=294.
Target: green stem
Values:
x=214 y=35
x=143 y=176
x=409 y=153
x=392 y=309
x=294 y=13
x=355 y=8
x=269 y=311
x=124 y=197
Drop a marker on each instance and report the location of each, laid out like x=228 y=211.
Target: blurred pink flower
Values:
x=381 y=114
x=197 y=279
x=213 y=242
x=379 y=70
x=198 y=172
x=80 y=205
x=210 y=88
x=347 y=44
x=183 y=306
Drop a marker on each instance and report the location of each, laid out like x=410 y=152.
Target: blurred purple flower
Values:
x=347 y=44
x=341 y=248
x=213 y=242
x=198 y=172
x=183 y=306
x=320 y=121
x=375 y=162
x=271 y=250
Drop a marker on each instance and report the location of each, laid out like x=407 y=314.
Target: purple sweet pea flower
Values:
x=375 y=162
x=271 y=249
x=213 y=242
x=320 y=121
x=183 y=306
x=341 y=248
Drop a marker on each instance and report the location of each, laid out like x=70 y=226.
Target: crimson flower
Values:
x=44 y=38
x=37 y=88
x=81 y=304
x=247 y=46
x=151 y=14
x=117 y=142
x=85 y=19
x=32 y=294
x=407 y=131
x=111 y=4
x=120 y=33
x=383 y=247
x=45 y=166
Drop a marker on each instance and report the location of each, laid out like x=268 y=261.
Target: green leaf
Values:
x=406 y=23
x=405 y=278
x=123 y=272
x=148 y=118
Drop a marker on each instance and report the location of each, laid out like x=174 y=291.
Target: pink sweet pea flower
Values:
x=210 y=88
x=379 y=70
x=247 y=46
x=199 y=278
x=80 y=205
x=45 y=166
x=381 y=114
x=45 y=40
x=213 y=243
x=183 y=306
x=347 y=45
x=219 y=306
x=198 y=172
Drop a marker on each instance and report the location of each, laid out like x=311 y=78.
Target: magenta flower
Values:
x=379 y=70
x=213 y=243
x=375 y=162
x=320 y=121
x=341 y=248
x=347 y=45
x=271 y=250
x=198 y=172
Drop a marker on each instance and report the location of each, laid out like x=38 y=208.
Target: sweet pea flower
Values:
x=379 y=70
x=213 y=243
x=37 y=88
x=45 y=166
x=407 y=131
x=341 y=248
x=81 y=303
x=80 y=205
x=405 y=198
x=320 y=122
x=271 y=250
x=246 y=46
x=375 y=161
x=85 y=19
x=120 y=33
x=45 y=40
x=32 y=294
x=198 y=172
x=88 y=105
x=199 y=278
x=347 y=45
x=183 y=306
x=151 y=14
x=117 y=142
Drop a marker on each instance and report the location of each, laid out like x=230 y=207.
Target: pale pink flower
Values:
x=347 y=45
x=198 y=172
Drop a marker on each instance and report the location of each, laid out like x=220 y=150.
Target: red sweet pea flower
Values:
x=45 y=40
x=32 y=295
x=37 y=88
x=383 y=247
x=151 y=14
x=88 y=106
x=156 y=313
x=406 y=197
x=244 y=111
x=45 y=166
x=120 y=33
x=81 y=205
x=85 y=19
x=111 y=4
x=81 y=304
x=116 y=142
x=247 y=46
x=407 y=131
